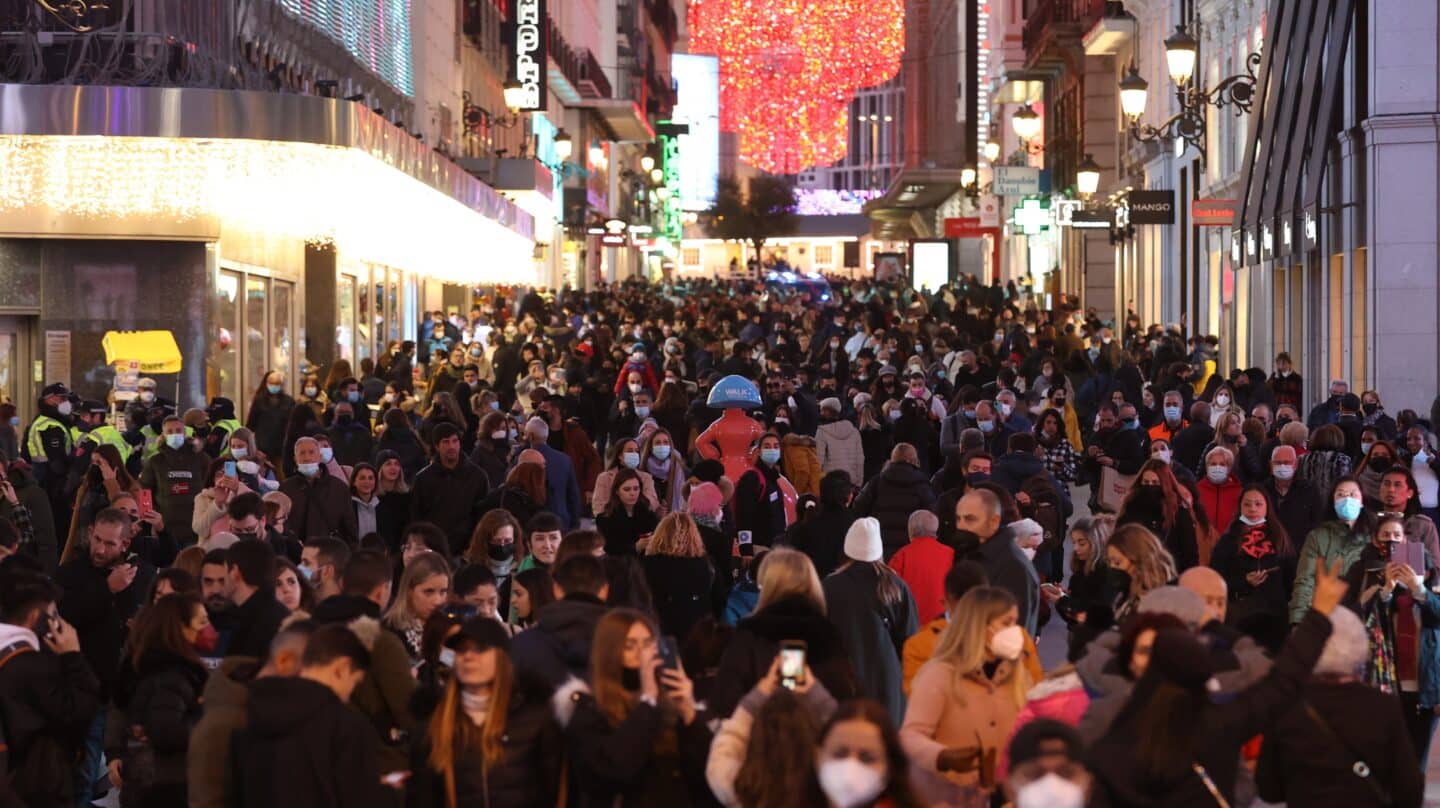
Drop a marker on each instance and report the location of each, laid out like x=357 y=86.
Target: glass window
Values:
x=223 y=371
x=282 y=298
x=393 y=307
x=1359 y=324
x=345 y=327
x=257 y=293
x=364 y=327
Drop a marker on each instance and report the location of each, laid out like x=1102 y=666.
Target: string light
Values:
x=307 y=192
x=789 y=69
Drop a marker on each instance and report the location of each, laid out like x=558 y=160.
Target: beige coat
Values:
x=944 y=713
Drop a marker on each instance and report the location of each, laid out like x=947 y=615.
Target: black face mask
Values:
x=964 y=541
x=500 y=552
x=977 y=478
x=1118 y=580
x=630 y=678
x=1371 y=408
x=1381 y=464
x=248 y=536
x=1148 y=497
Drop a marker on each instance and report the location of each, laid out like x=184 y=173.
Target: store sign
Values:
x=529 y=50
x=1016 y=180
x=697 y=105
x=1213 y=212
x=1032 y=217
x=962 y=227
x=1152 y=207
x=1093 y=218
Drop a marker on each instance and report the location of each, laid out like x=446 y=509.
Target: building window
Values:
x=824 y=255
x=691 y=257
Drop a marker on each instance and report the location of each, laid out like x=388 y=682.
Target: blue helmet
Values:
x=735 y=391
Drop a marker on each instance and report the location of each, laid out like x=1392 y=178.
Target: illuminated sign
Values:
x=672 y=226
x=830 y=202
x=698 y=106
x=530 y=56
x=375 y=32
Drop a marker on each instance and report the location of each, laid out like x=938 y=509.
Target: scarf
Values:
x=475 y=705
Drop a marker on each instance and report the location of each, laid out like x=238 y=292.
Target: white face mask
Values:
x=1217 y=474
x=248 y=467
x=1050 y=791
x=63 y=408
x=849 y=783
x=1283 y=472
x=1163 y=455
x=1029 y=553
x=1008 y=642
x=1222 y=401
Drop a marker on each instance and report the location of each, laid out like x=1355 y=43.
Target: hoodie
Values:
x=326 y=749
x=557 y=648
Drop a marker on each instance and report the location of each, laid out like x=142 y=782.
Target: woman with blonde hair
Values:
x=424 y=587
x=660 y=459
x=489 y=741
x=679 y=573
x=964 y=701
x=791 y=607
x=1137 y=563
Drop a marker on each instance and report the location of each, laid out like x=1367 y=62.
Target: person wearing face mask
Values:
x=1285 y=383
x=964 y=701
x=1161 y=505
x=48 y=445
x=764 y=499
x=1218 y=492
x=350 y=438
x=1326 y=461
x=490 y=740
x=176 y=475
x=1257 y=559
x=1338 y=540
x=321 y=502
x=1045 y=768
x=158 y=690
x=860 y=762
x=1297 y=503
x=633 y=731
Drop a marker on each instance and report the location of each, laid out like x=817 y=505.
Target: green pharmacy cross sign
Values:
x=1032 y=216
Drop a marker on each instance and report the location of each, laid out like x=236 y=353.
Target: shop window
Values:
x=345 y=332
x=1336 y=337
x=824 y=255
x=222 y=364
x=692 y=256
x=282 y=340
x=257 y=329
x=1359 y=319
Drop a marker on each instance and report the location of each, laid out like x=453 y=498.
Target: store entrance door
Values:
x=17 y=362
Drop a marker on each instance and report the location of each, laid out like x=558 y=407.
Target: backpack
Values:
x=1046 y=508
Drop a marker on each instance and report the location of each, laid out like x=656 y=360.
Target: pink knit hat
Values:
x=706 y=500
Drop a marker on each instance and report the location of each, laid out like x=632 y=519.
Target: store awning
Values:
x=1297 y=97
x=156 y=351
x=908 y=205
x=1020 y=87
x=623 y=117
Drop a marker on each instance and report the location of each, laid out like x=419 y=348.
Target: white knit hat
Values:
x=831 y=403
x=862 y=540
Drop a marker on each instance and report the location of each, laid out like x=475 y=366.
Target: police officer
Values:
x=221 y=413
x=99 y=431
x=49 y=445
x=137 y=412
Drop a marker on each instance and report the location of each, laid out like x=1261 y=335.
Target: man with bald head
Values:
x=1210 y=586
x=320 y=505
x=1297 y=504
x=977 y=520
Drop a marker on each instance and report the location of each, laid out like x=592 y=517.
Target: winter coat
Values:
x=1012 y=469
x=898 y=491
x=923 y=565
x=47 y=703
x=1331 y=541
x=878 y=444
x=557 y=647
x=631 y=764
x=42 y=520
x=756 y=642
x=622 y=530
x=383 y=697
x=680 y=588
x=822 y=537
x=1299 y=510
x=327 y=750
x=1219 y=733
x=511 y=498
x=1009 y=569
x=391 y=517
x=1061 y=698
x=207 y=761
x=451 y=499
x=162 y=697
x=492 y=461
x=1304 y=764
x=353 y=442
x=267 y=418
x=527 y=774
x=604 y=488
x=319 y=507
x=840 y=447
x=872 y=631
x=1182 y=539
x=1221 y=503
x=947 y=711
x=252 y=625
x=176 y=476
x=801 y=464
x=922 y=644
x=732 y=740
x=583 y=457
x=99 y=615
x=1322 y=468
x=1241 y=551
x=759 y=504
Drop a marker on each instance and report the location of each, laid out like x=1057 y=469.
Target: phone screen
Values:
x=669 y=653
x=792 y=666
x=1411 y=553
x=230 y=468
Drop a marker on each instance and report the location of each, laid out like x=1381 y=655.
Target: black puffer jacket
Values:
x=558 y=646
x=47 y=703
x=162 y=697
x=900 y=490
x=528 y=774
x=680 y=588
x=757 y=640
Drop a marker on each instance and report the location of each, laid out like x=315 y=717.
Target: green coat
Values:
x=1330 y=541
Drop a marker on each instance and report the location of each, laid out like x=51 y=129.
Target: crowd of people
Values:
x=532 y=557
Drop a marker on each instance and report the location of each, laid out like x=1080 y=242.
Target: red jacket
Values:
x=647 y=375
x=922 y=564
x=1221 y=502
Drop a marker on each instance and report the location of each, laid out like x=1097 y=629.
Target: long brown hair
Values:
x=487 y=527
x=161 y=627
x=1169 y=488
x=607 y=662
x=622 y=476
x=530 y=478
x=454 y=736
x=780 y=754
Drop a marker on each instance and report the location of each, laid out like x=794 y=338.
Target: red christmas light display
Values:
x=789 y=68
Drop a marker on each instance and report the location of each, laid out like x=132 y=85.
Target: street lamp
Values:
x=647 y=163
x=1181 y=50
x=657 y=174
x=514 y=94
x=992 y=151
x=564 y=146
x=1134 y=91
x=1087 y=177
x=1027 y=123
x=967 y=176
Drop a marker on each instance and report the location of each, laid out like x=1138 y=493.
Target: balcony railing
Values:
x=578 y=66
x=1065 y=18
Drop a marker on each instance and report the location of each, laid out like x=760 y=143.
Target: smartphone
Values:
x=230 y=469
x=745 y=537
x=792 y=664
x=147 y=500
x=1409 y=552
x=669 y=653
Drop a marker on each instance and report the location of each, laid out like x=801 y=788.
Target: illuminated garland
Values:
x=789 y=68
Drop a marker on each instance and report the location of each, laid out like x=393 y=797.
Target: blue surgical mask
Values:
x=326 y=454
x=15 y=421
x=986 y=426
x=1131 y=423
x=495 y=406
x=175 y=441
x=1172 y=414
x=1348 y=508
x=630 y=459
x=642 y=411
x=770 y=456
x=970 y=414
x=240 y=454
x=307 y=572
x=308 y=469
x=273 y=388
x=662 y=452
x=353 y=396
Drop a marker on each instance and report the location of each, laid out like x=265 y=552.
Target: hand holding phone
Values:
x=230 y=469
x=147 y=500
x=792 y=664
